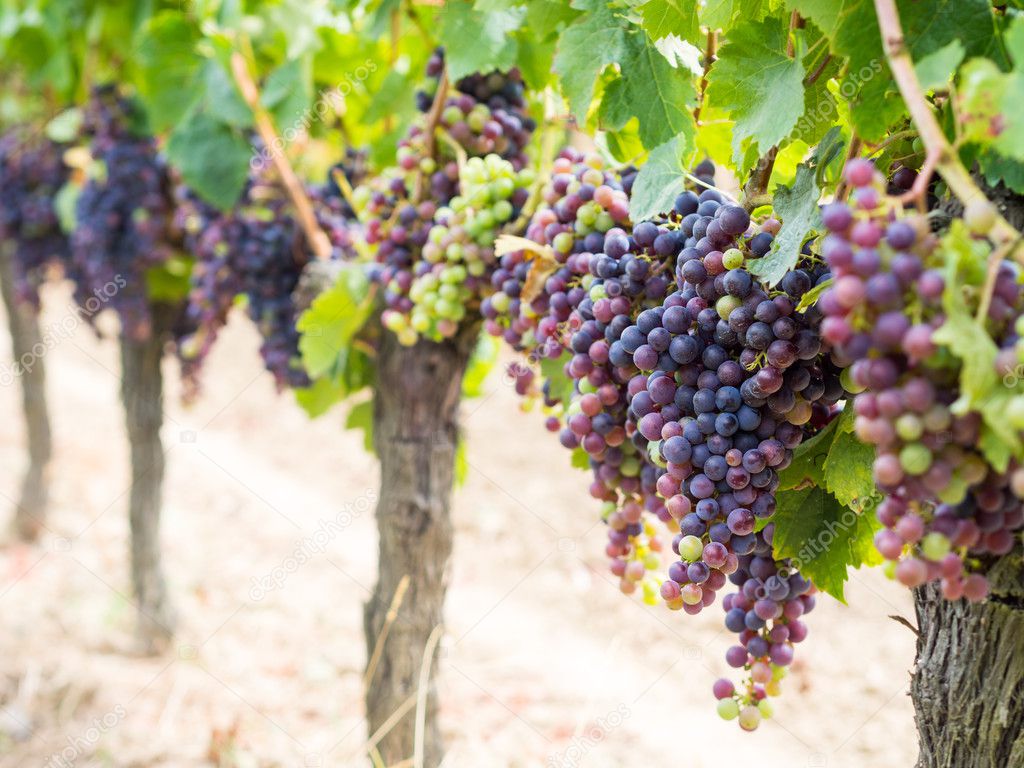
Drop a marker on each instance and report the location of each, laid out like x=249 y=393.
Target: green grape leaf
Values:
x=820 y=111
x=989 y=99
x=937 y=68
x=170 y=282
x=852 y=29
x=360 y=416
x=481 y=363
x=1002 y=169
x=822 y=537
x=168 y=68
x=797 y=207
x=809 y=458
x=535 y=57
x=671 y=17
x=319 y=397
x=580 y=458
x=560 y=386
x=332 y=320
x=211 y=157
x=548 y=15
x=461 y=462
x=287 y=93
x=810 y=298
x=477 y=41
x=758 y=83
x=659 y=94
x=223 y=101
x=592 y=42
x=661 y=178
x=848 y=474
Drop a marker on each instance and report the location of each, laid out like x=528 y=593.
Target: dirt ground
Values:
x=270 y=553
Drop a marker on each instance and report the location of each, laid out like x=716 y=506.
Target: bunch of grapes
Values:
x=945 y=507
x=32 y=172
x=123 y=217
x=692 y=384
x=459 y=252
x=582 y=201
x=432 y=231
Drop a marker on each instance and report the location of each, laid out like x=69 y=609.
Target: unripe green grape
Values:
x=909 y=427
x=732 y=258
x=915 y=459
x=980 y=216
x=691 y=548
x=728 y=709
x=935 y=546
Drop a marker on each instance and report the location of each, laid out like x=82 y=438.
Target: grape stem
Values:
x=851 y=152
x=940 y=155
x=430 y=129
x=318 y=240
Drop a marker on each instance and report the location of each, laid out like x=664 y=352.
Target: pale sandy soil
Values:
x=544 y=662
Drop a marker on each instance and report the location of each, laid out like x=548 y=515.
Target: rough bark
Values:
x=26 y=344
x=142 y=395
x=416 y=433
x=968 y=684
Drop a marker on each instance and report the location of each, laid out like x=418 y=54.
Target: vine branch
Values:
x=940 y=155
x=757 y=185
x=709 y=59
x=318 y=240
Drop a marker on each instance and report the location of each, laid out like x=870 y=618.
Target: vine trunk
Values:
x=968 y=683
x=416 y=434
x=142 y=395
x=26 y=345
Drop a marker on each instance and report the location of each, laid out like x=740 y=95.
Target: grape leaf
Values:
x=758 y=83
x=168 y=68
x=936 y=69
x=848 y=474
x=797 y=207
x=588 y=45
x=360 y=416
x=659 y=94
x=989 y=99
x=822 y=537
x=671 y=17
x=580 y=458
x=808 y=464
x=661 y=178
x=287 y=93
x=476 y=41
x=560 y=386
x=212 y=158
x=330 y=323
x=481 y=362
x=319 y=396
x=852 y=29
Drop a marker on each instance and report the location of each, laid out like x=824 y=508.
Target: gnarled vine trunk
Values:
x=27 y=367
x=142 y=395
x=415 y=432
x=968 y=683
